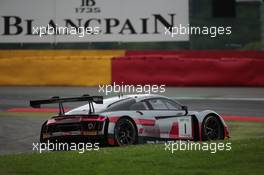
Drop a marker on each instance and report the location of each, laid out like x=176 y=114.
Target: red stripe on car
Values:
x=146 y=122
x=174 y=132
x=111 y=141
x=113 y=119
x=141 y=130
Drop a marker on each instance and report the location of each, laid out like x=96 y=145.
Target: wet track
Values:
x=18 y=133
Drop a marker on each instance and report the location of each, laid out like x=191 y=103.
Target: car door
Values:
x=170 y=119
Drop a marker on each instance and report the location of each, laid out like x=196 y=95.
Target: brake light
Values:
x=93 y=118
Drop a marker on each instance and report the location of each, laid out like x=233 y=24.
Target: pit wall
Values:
x=93 y=67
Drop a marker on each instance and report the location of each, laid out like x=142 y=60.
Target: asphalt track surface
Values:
x=18 y=133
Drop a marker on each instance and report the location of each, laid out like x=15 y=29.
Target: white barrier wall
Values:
x=109 y=20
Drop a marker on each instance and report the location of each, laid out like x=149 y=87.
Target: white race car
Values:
x=130 y=119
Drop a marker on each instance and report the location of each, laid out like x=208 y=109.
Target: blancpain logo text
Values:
x=15 y=25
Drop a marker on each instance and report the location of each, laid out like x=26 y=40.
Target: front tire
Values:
x=125 y=132
x=212 y=129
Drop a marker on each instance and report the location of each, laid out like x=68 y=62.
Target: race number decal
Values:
x=185 y=127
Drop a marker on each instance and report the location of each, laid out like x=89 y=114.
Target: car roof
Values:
x=139 y=97
x=111 y=100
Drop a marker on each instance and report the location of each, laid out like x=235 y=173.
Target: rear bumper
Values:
x=81 y=130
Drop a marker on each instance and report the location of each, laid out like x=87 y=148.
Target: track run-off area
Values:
x=20 y=124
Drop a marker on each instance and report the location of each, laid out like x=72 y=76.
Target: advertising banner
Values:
x=38 y=21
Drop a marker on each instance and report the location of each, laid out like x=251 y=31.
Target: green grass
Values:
x=245 y=130
x=245 y=157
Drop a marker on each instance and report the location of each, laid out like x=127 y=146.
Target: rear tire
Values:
x=212 y=128
x=43 y=129
x=125 y=132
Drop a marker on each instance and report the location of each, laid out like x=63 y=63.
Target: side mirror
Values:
x=185 y=108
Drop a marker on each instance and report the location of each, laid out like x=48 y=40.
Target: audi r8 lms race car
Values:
x=130 y=119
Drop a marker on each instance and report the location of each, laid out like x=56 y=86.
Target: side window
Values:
x=171 y=104
x=123 y=104
x=157 y=104
x=139 y=106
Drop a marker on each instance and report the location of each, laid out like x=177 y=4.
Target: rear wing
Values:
x=60 y=101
